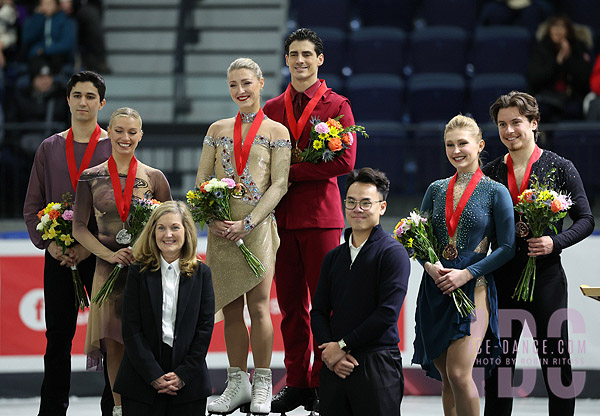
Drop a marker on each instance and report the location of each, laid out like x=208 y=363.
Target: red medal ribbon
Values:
x=123 y=199
x=452 y=216
x=87 y=156
x=241 y=153
x=512 y=181
x=297 y=127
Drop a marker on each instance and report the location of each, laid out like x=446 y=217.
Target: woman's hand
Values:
x=168 y=383
x=452 y=280
x=436 y=270
x=235 y=230
x=124 y=257
x=218 y=228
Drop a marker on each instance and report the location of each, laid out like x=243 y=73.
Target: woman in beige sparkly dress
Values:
x=95 y=191
x=262 y=165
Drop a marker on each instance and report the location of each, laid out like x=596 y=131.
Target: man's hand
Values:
x=168 y=383
x=77 y=254
x=540 y=246
x=344 y=367
x=57 y=253
x=331 y=354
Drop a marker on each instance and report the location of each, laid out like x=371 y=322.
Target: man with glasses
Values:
x=356 y=307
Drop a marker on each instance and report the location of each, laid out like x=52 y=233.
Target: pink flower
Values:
x=230 y=182
x=68 y=215
x=322 y=128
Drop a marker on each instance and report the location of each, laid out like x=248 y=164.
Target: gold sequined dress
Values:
x=266 y=178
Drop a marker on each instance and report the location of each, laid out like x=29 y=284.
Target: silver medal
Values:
x=123 y=237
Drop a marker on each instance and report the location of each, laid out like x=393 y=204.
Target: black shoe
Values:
x=290 y=398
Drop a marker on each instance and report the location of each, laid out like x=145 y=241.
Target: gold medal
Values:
x=450 y=252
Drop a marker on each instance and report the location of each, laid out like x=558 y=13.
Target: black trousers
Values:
x=60 y=312
x=163 y=403
x=374 y=388
x=549 y=300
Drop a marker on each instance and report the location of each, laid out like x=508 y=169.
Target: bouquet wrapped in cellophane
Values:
x=56 y=223
x=415 y=232
x=139 y=214
x=211 y=202
x=541 y=206
x=329 y=139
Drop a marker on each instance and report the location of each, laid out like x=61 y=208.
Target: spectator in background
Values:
x=526 y=13
x=559 y=70
x=8 y=29
x=54 y=47
x=88 y=15
x=591 y=106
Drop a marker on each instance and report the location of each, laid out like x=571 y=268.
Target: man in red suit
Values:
x=309 y=217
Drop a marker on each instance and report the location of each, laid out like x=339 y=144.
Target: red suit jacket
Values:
x=313 y=199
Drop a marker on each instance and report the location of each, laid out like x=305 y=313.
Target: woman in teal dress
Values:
x=478 y=212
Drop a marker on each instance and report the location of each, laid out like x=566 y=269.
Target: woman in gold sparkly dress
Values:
x=468 y=212
x=100 y=191
x=255 y=151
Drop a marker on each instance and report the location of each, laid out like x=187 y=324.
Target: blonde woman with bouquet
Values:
x=255 y=151
x=468 y=212
x=106 y=191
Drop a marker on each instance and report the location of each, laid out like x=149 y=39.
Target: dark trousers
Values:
x=297 y=270
x=550 y=295
x=163 y=403
x=374 y=388
x=60 y=313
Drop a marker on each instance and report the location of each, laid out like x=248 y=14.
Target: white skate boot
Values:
x=262 y=391
x=237 y=394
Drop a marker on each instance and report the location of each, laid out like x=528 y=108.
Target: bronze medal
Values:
x=450 y=252
x=297 y=154
x=521 y=229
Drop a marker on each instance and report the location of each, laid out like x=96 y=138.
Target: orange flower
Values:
x=335 y=124
x=335 y=144
x=53 y=214
x=556 y=206
x=527 y=195
x=346 y=138
x=40 y=214
x=202 y=187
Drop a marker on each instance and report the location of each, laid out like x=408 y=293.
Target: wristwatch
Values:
x=343 y=346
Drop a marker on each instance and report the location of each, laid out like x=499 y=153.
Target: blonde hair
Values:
x=146 y=251
x=245 y=63
x=463 y=122
x=125 y=112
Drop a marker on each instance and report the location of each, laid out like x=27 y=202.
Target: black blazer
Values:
x=142 y=334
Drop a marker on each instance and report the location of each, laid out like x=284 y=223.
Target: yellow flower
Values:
x=317 y=144
x=409 y=243
x=545 y=195
x=333 y=131
x=51 y=233
x=323 y=136
x=67 y=239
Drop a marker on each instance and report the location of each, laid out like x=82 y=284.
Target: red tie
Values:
x=298 y=107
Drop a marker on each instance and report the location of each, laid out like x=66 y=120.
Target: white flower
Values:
x=416 y=218
x=56 y=207
x=45 y=219
x=40 y=227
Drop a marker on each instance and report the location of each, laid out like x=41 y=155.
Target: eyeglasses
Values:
x=365 y=204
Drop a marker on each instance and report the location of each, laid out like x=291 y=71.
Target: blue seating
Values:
x=333 y=81
x=393 y=13
x=435 y=97
x=485 y=88
x=377 y=50
x=441 y=12
x=438 y=49
x=584 y=12
x=376 y=97
x=501 y=49
x=428 y=156
x=315 y=13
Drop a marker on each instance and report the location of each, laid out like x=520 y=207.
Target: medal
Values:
x=450 y=252
x=74 y=174
x=296 y=127
x=512 y=181
x=123 y=198
x=123 y=236
x=241 y=153
x=521 y=229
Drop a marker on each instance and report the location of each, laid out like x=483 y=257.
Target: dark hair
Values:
x=525 y=103
x=304 y=34
x=88 y=76
x=561 y=19
x=370 y=175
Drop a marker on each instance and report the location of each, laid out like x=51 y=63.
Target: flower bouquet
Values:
x=329 y=140
x=139 y=214
x=415 y=232
x=541 y=206
x=211 y=202
x=56 y=223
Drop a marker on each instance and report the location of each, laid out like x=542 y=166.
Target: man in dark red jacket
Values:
x=309 y=217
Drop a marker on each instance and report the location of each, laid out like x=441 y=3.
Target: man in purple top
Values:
x=56 y=167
